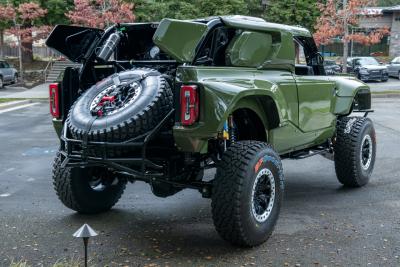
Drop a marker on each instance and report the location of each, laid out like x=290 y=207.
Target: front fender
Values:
x=346 y=90
x=222 y=92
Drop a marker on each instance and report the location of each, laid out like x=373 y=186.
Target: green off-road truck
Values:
x=162 y=102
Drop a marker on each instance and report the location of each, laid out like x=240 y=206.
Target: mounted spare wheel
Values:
x=122 y=106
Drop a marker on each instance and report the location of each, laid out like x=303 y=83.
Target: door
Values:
x=394 y=67
x=315 y=91
x=7 y=72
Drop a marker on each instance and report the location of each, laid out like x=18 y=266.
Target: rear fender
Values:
x=220 y=98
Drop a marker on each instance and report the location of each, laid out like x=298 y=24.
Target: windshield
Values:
x=367 y=61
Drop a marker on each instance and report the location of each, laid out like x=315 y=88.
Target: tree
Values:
x=155 y=10
x=101 y=13
x=336 y=20
x=24 y=22
x=299 y=12
x=56 y=11
x=7 y=13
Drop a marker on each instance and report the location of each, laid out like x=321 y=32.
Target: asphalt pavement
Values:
x=321 y=223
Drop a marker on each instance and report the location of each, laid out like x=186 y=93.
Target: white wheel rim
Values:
x=366 y=152
x=263 y=216
x=137 y=91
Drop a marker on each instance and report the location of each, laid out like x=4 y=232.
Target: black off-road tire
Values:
x=232 y=195
x=151 y=106
x=352 y=133
x=74 y=191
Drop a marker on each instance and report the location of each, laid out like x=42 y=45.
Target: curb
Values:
x=385 y=95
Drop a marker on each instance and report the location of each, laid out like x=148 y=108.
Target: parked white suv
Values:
x=8 y=74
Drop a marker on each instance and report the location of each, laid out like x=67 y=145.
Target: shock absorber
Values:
x=231 y=129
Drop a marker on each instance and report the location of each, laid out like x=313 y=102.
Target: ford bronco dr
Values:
x=162 y=102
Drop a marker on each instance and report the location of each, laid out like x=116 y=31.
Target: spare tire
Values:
x=120 y=107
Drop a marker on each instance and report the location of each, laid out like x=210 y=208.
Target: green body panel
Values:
x=316 y=95
x=58 y=124
x=346 y=90
x=257 y=24
x=307 y=105
x=249 y=49
x=224 y=90
x=179 y=38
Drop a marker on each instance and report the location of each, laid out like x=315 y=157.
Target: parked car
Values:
x=394 y=68
x=163 y=102
x=367 y=69
x=331 y=67
x=8 y=74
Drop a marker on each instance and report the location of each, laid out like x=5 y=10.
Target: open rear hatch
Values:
x=74 y=42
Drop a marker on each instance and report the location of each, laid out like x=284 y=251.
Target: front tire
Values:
x=247 y=193
x=15 y=80
x=86 y=190
x=354 y=151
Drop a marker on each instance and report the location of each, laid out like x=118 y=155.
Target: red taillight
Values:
x=189 y=104
x=54 y=100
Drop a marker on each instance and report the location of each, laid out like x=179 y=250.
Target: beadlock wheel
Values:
x=263 y=195
x=366 y=152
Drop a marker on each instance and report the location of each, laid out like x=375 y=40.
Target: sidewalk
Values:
x=40 y=91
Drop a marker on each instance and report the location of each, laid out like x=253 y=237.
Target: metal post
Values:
x=345 y=35
x=85 y=243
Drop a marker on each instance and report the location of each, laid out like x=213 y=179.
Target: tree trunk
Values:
x=345 y=41
x=27 y=46
x=1 y=43
x=27 y=54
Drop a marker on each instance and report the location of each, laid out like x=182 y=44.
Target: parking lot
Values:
x=321 y=224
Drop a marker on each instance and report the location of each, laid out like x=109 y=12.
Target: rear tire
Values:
x=1 y=82
x=354 y=151
x=247 y=193
x=77 y=190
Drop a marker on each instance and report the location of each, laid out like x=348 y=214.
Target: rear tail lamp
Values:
x=189 y=104
x=54 y=97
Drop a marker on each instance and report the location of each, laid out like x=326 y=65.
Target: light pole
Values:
x=85 y=232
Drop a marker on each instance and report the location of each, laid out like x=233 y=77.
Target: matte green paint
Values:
x=307 y=105
x=263 y=59
x=58 y=124
x=249 y=49
x=179 y=38
x=258 y=24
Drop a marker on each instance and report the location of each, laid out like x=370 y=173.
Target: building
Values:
x=388 y=17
